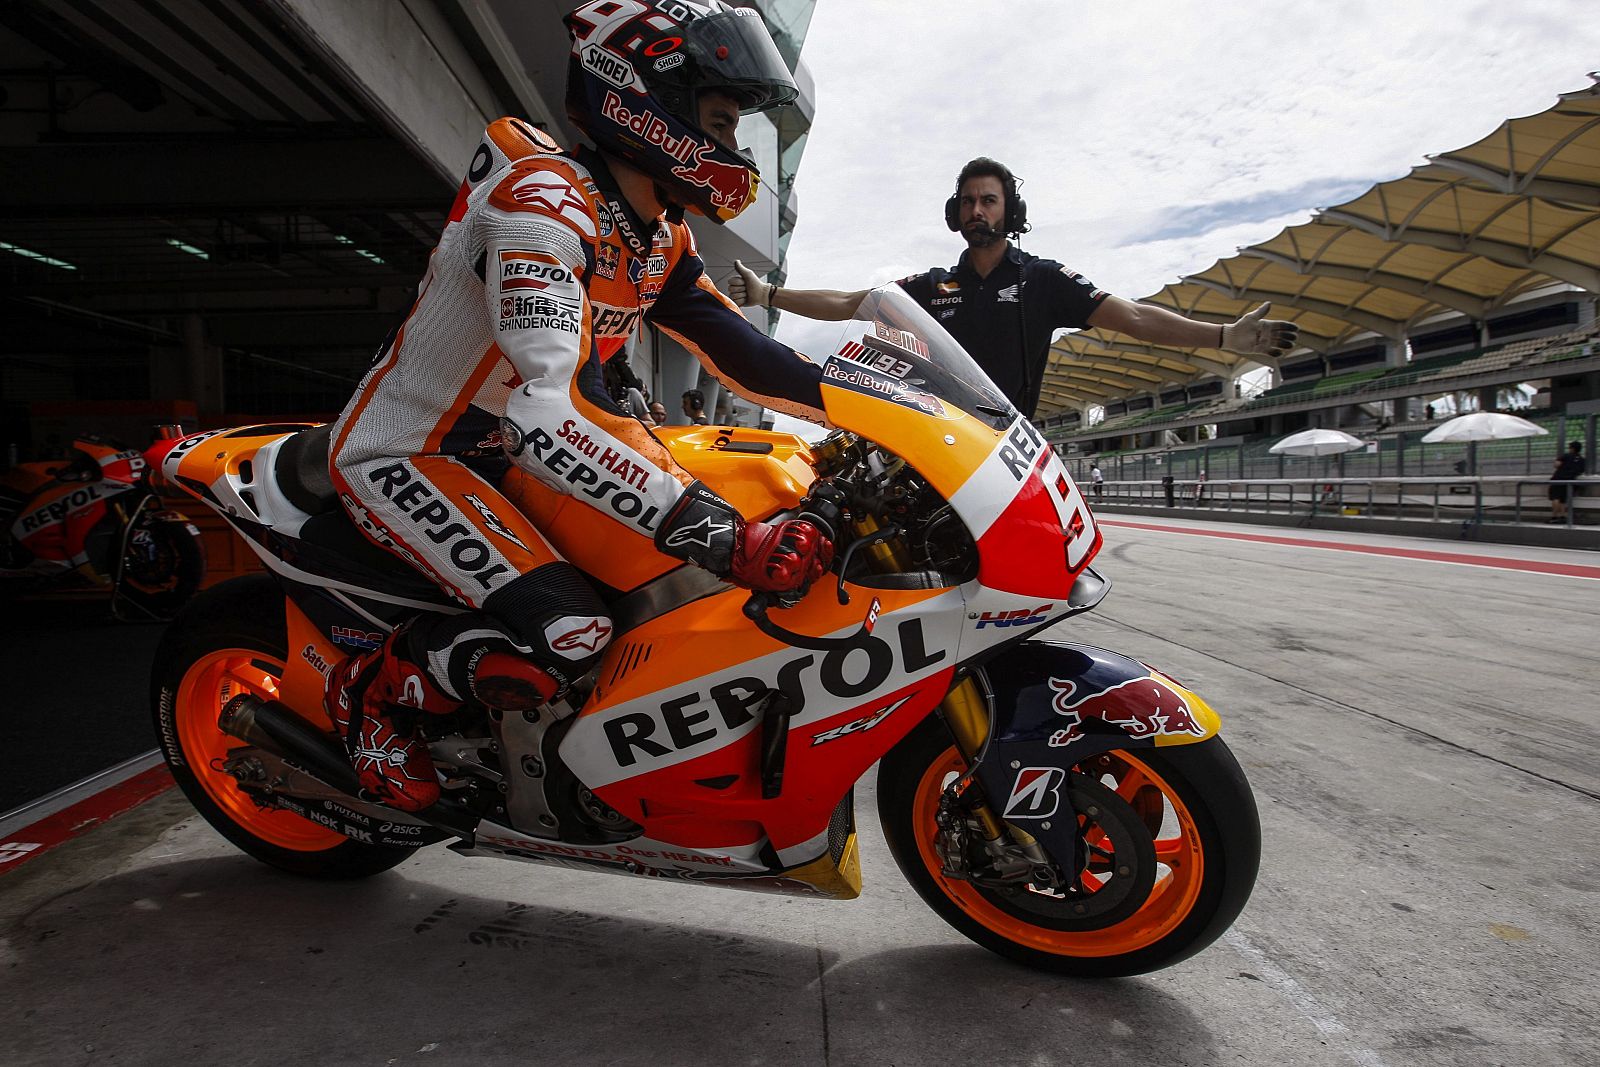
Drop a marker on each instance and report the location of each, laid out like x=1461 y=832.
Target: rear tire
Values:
x=231 y=640
x=1187 y=807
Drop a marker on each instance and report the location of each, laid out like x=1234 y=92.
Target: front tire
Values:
x=162 y=566
x=228 y=641
x=1187 y=809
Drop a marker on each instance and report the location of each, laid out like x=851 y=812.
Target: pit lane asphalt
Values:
x=1421 y=738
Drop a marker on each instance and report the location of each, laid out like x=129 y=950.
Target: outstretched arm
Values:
x=748 y=290
x=1251 y=335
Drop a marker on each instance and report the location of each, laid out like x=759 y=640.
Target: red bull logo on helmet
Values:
x=1141 y=708
x=729 y=185
x=645 y=124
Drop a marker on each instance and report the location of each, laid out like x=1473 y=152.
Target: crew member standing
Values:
x=1003 y=305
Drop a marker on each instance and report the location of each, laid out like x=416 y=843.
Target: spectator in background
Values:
x=694 y=406
x=1168 y=488
x=1097 y=478
x=1200 y=488
x=658 y=412
x=1569 y=467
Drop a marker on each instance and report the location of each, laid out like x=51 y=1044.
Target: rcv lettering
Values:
x=695 y=718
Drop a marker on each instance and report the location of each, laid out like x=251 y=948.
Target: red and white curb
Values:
x=30 y=831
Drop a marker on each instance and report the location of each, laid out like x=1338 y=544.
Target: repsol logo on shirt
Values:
x=608 y=480
x=696 y=717
x=438 y=522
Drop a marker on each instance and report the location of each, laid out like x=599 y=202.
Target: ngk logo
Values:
x=1020 y=617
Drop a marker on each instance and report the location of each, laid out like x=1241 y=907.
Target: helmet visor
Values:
x=733 y=50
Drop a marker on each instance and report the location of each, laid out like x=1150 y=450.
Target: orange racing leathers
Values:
x=541 y=273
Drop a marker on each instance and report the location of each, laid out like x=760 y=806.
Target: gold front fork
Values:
x=968 y=717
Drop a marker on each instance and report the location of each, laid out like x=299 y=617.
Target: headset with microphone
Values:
x=1016 y=220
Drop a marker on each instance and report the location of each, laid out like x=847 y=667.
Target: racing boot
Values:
x=360 y=697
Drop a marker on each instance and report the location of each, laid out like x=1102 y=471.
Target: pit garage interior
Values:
x=216 y=212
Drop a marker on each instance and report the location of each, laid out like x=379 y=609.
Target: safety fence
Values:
x=1468 y=500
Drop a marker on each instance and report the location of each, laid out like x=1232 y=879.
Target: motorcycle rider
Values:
x=547 y=264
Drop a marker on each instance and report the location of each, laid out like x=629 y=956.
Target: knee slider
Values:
x=511 y=683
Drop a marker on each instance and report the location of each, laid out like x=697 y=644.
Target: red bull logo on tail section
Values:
x=1141 y=707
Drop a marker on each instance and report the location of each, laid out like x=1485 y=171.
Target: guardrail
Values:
x=1461 y=499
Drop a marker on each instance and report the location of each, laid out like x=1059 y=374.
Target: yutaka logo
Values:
x=729 y=185
x=646 y=125
x=1140 y=707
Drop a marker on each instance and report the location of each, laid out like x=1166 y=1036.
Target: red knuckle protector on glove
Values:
x=781 y=557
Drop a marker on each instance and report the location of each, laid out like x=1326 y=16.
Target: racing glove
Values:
x=782 y=557
x=1253 y=335
x=747 y=290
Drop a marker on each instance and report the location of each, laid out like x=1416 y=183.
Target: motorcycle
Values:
x=1063 y=805
x=95 y=521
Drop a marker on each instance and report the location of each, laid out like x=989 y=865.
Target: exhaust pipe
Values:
x=270 y=725
x=273 y=726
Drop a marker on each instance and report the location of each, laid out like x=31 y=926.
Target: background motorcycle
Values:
x=1060 y=804
x=92 y=520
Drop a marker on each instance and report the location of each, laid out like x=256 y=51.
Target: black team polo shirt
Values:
x=1006 y=332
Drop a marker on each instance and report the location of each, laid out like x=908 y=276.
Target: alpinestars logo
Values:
x=1036 y=794
x=576 y=637
x=698 y=534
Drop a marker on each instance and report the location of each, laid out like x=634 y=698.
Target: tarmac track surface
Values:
x=1421 y=738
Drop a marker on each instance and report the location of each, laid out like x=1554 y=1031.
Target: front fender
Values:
x=1086 y=700
x=1053 y=705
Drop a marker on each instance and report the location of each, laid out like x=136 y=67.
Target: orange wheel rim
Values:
x=209 y=684
x=1179 y=856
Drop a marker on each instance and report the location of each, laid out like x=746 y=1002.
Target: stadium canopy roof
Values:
x=1469 y=232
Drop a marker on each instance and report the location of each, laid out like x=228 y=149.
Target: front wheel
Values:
x=163 y=563
x=230 y=641
x=1173 y=843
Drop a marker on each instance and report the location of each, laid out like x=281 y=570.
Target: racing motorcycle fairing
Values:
x=895 y=366
x=681 y=754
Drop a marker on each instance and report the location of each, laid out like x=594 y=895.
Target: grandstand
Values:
x=1469 y=284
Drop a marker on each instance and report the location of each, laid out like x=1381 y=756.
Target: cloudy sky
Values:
x=1154 y=136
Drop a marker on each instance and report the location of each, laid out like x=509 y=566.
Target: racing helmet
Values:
x=633 y=86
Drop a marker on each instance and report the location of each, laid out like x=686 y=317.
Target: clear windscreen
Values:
x=894 y=350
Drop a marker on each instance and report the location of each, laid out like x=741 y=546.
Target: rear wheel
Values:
x=230 y=641
x=1173 y=843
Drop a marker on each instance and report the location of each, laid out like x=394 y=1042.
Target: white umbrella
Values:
x=1317 y=443
x=1483 y=426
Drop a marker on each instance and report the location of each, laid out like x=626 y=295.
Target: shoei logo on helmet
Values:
x=729 y=185
x=610 y=68
x=654 y=130
x=667 y=62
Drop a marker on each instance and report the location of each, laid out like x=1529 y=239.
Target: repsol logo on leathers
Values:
x=438 y=522
x=697 y=717
x=599 y=481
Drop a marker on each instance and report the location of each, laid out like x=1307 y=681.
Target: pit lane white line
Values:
x=1296 y=994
